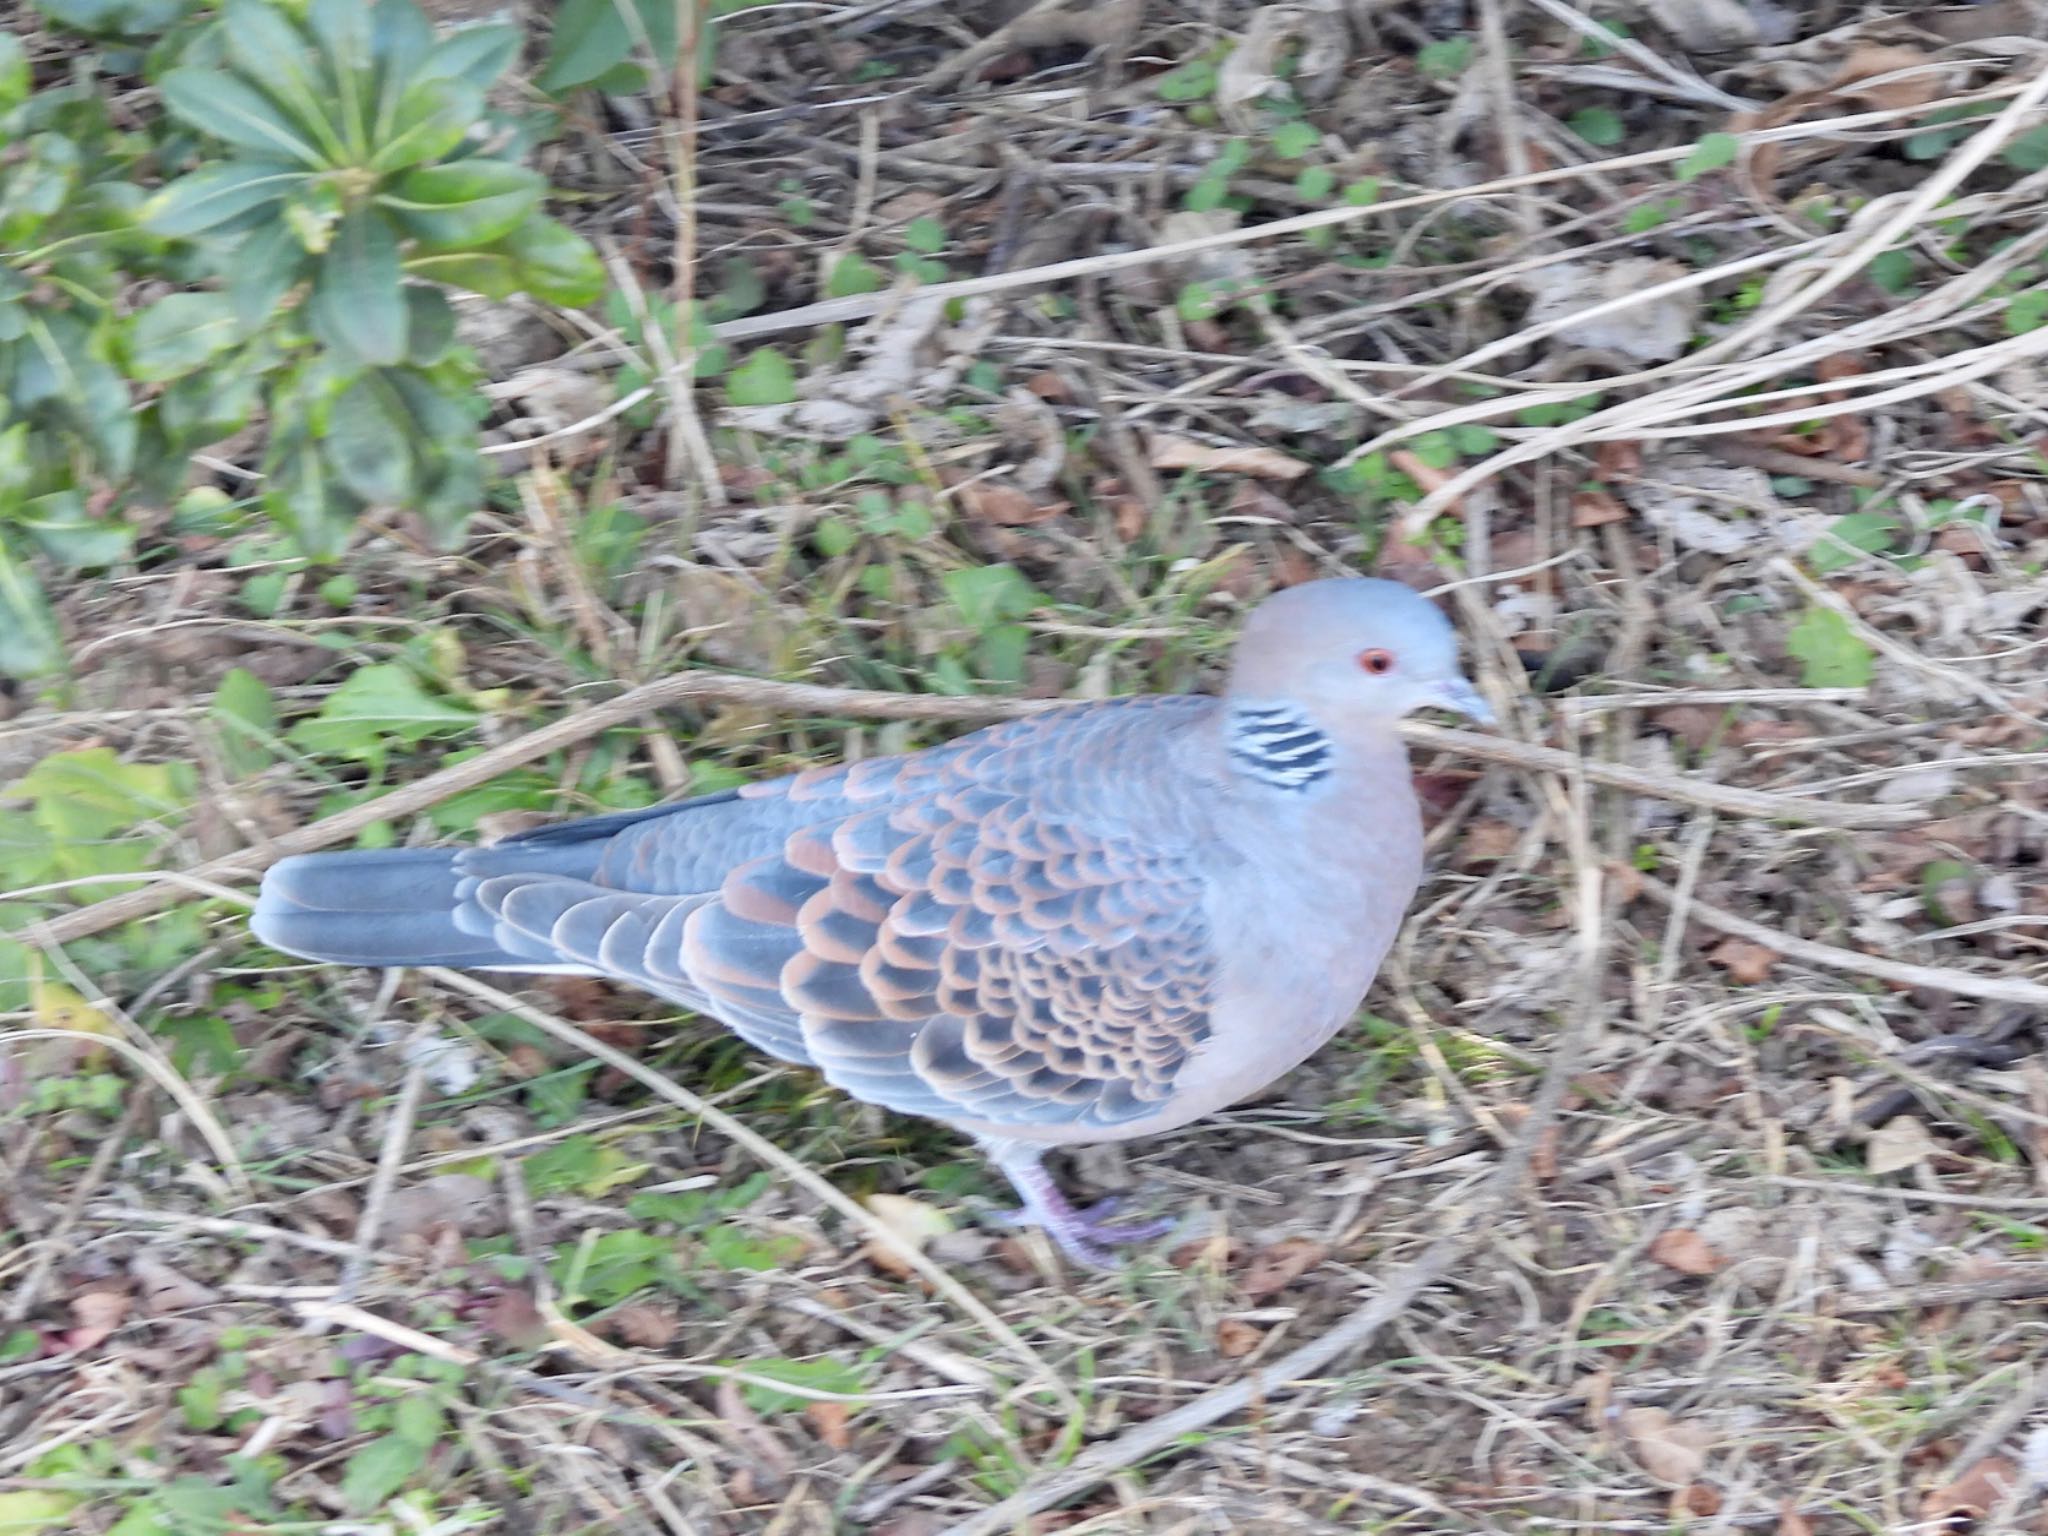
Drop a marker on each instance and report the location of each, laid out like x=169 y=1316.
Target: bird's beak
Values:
x=1455 y=693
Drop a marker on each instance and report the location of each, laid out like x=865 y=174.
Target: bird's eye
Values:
x=1378 y=663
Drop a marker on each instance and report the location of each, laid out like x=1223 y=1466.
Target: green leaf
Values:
x=764 y=378
x=261 y=272
x=223 y=107
x=29 y=646
x=924 y=234
x=840 y=1376
x=196 y=203
x=430 y=325
x=366 y=443
x=341 y=29
x=246 y=715
x=852 y=274
x=464 y=204
x=2028 y=152
x=31 y=1511
x=1892 y=270
x=1712 y=153
x=1192 y=81
x=37 y=185
x=1601 y=127
x=379 y=1470
x=375 y=706
x=988 y=595
x=1315 y=183
x=273 y=55
x=477 y=55
x=431 y=118
x=178 y=334
x=541 y=257
x=2026 y=312
x=1444 y=60
x=1846 y=537
x=592 y=37
x=71 y=536
x=14 y=73
x=1295 y=140
x=1831 y=654
x=86 y=798
x=358 y=305
x=418 y=1418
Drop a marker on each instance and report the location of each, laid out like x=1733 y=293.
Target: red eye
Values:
x=1378 y=663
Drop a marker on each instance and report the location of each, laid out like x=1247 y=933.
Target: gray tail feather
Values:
x=375 y=907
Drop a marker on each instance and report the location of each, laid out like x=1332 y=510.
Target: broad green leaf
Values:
x=1867 y=532
x=401 y=41
x=540 y=257
x=14 y=75
x=430 y=119
x=246 y=715
x=196 y=203
x=839 y=1376
x=37 y=184
x=91 y=805
x=764 y=378
x=1601 y=127
x=261 y=272
x=341 y=30
x=478 y=54
x=303 y=496
x=17 y=470
x=1831 y=654
x=179 y=333
x=379 y=1470
x=430 y=325
x=592 y=37
x=274 y=56
x=853 y=274
x=375 y=706
x=73 y=537
x=2028 y=152
x=29 y=646
x=988 y=595
x=366 y=443
x=32 y=1511
x=358 y=305
x=464 y=204
x=224 y=107
x=1712 y=153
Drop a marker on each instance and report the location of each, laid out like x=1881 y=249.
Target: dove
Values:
x=1092 y=924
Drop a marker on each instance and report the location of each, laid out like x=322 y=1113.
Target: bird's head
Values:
x=1353 y=649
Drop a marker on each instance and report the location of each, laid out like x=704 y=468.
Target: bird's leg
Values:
x=1080 y=1234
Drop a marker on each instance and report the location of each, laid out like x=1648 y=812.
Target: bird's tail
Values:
x=379 y=907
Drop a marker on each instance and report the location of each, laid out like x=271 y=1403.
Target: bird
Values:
x=1090 y=924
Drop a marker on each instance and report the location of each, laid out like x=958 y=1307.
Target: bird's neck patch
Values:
x=1278 y=745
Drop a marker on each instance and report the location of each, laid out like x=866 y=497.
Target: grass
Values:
x=579 y=1308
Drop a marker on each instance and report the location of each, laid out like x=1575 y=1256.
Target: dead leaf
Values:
x=1273 y=1269
x=1488 y=840
x=995 y=501
x=1683 y=1249
x=1671 y=1450
x=643 y=1325
x=1594 y=509
x=1745 y=962
x=1646 y=328
x=1901 y=1142
x=1701 y=1499
x=1973 y=1495
x=1791 y=1522
x=1697 y=725
x=1236 y=1338
x=828 y=1422
x=95 y=1316
x=1171 y=452
x=513 y=1317
x=1313 y=40
x=164 y=1290
x=1719 y=26
x=911 y=1224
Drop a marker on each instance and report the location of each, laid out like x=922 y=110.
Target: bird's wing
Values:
x=1010 y=929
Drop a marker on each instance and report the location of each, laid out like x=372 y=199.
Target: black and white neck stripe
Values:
x=1278 y=745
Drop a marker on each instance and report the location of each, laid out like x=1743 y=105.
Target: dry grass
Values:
x=1690 y=1169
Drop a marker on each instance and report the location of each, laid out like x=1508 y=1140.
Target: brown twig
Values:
x=1997 y=989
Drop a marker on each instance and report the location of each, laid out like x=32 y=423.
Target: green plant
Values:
x=329 y=170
